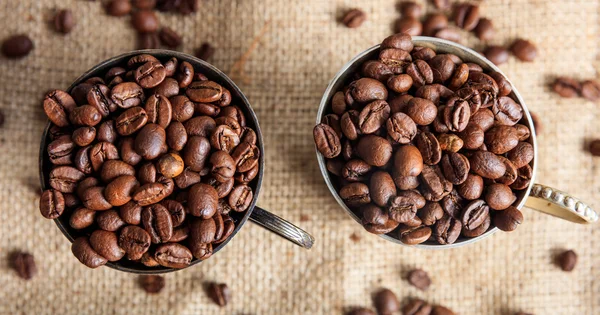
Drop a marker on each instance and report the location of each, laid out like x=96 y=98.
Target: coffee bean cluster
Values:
x=426 y=147
x=569 y=87
x=386 y=302
x=147 y=162
x=465 y=16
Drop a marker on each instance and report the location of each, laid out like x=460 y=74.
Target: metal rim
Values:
x=214 y=74
x=439 y=45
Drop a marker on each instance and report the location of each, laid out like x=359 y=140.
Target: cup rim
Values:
x=436 y=44
x=214 y=74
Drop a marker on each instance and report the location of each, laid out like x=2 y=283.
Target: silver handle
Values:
x=560 y=204
x=281 y=227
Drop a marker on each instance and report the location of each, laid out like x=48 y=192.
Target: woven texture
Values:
x=302 y=47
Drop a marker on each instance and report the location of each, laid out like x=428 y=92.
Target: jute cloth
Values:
x=300 y=50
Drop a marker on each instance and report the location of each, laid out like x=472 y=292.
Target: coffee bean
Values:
x=101 y=152
x=65 y=178
x=396 y=59
x=411 y=9
x=185 y=74
x=421 y=111
x=173 y=255
x=487 y=165
x=158 y=109
x=590 y=89
x=401 y=209
x=355 y=194
x=157 y=222
x=152 y=283
x=17 y=46
x=455 y=167
x=203 y=200
x=82 y=160
x=84 y=136
x=401 y=128
x=508 y=219
x=135 y=241
x=170 y=165
x=148 y=41
x=168 y=88
x=131 y=120
x=144 y=21
x=82 y=249
x=118 y=192
x=414 y=235
x=524 y=50
x=24 y=264
x=128 y=154
x=501 y=139
x=499 y=196
x=349 y=123
x=150 y=74
x=430 y=213
x=430 y=149
x=416 y=307
x=354 y=18
x=60 y=151
x=449 y=33
x=381 y=188
x=131 y=213
x=150 y=141
x=85 y=115
x=205 y=51
x=52 y=204
x=594 y=147
x=420 y=72
x=106 y=244
x=118 y=7
x=567 y=260
x=524 y=175
x=419 y=279
x=240 y=198
x=107 y=132
x=434 y=185
x=127 y=94
x=400 y=83
x=204 y=91
x=169 y=37
x=374 y=150
x=521 y=155
x=566 y=87
x=373 y=116
x=367 y=90
x=496 y=54
x=196 y=152
x=507 y=111
x=64 y=21
x=149 y=194
x=474 y=214
x=433 y=23
x=504 y=87
x=409 y=25
x=219 y=293
x=328 y=143
x=386 y=302
x=245 y=157
x=466 y=16
x=484 y=29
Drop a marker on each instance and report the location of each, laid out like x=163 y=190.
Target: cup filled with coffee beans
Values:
x=151 y=162
x=426 y=143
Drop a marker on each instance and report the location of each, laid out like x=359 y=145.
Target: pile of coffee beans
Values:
x=424 y=147
x=147 y=162
x=465 y=16
x=569 y=87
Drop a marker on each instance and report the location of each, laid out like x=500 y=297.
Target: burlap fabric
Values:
x=302 y=47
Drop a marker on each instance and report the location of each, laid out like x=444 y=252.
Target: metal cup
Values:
x=536 y=196
x=256 y=214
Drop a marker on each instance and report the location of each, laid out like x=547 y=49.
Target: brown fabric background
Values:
x=302 y=48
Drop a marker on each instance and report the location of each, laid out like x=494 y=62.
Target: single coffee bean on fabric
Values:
x=567 y=260
x=354 y=18
x=24 y=264
x=17 y=46
x=152 y=284
x=419 y=279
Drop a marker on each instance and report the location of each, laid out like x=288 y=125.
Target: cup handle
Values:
x=560 y=204
x=281 y=227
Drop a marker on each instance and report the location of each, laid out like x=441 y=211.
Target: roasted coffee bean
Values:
x=421 y=111
x=147 y=173
x=566 y=87
x=223 y=166
x=449 y=33
x=168 y=88
x=203 y=200
x=456 y=114
x=246 y=157
x=507 y=111
x=144 y=21
x=107 y=132
x=420 y=72
x=149 y=194
x=590 y=89
x=101 y=152
x=471 y=188
x=205 y=51
x=524 y=50
x=433 y=23
x=354 y=18
x=187 y=178
x=150 y=74
x=396 y=59
x=355 y=170
x=150 y=141
x=447 y=230
x=367 y=90
x=401 y=128
x=386 y=302
x=504 y=87
x=434 y=93
x=158 y=110
x=473 y=98
x=52 y=204
x=135 y=241
x=131 y=120
x=524 y=175
x=521 y=155
x=455 y=167
x=450 y=142
x=373 y=116
x=176 y=211
x=57 y=106
x=499 y=196
x=151 y=283
x=443 y=67
x=173 y=255
x=204 y=91
x=157 y=222
x=169 y=37
x=466 y=16
x=219 y=293
x=84 y=252
x=106 y=244
x=118 y=192
x=487 y=165
x=207 y=109
x=423 y=53
x=402 y=209
x=180 y=233
x=82 y=218
x=408 y=161
x=510 y=175
x=85 y=184
x=128 y=154
x=414 y=235
x=65 y=178
x=64 y=21
x=17 y=46
x=99 y=97
x=374 y=150
x=240 y=198
x=400 y=83
x=484 y=29
x=234 y=125
x=501 y=139
x=203 y=231
x=399 y=41
x=60 y=151
x=127 y=94
x=182 y=108
x=430 y=149
x=196 y=152
x=131 y=213
x=434 y=185
x=474 y=214
x=200 y=126
x=416 y=307
x=355 y=194
x=338 y=103
x=24 y=264
x=71 y=200
x=349 y=124
x=381 y=188
x=411 y=9
x=85 y=115
x=118 y=7
x=248 y=136
x=185 y=74
x=453 y=204
x=409 y=25
x=508 y=219
x=405 y=182
x=567 y=260
x=374 y=215
x=328 y=143
x=170 y=165
x=430 y=213
x=226 y=139
x=93 y=199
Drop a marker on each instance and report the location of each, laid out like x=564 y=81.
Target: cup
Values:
x=538 y=197
x=254 y=213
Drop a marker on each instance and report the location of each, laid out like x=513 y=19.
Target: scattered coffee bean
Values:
x=496 y=54
x=152 y=283
x=118 y=7
x=484 y=29
x=594 y=147
x=419 y=279
x=219 y=293
x=590 y=89
x=411 y=9
x=386 y=302
x=567 y=260
x=24 y=264
x=64 y=21
x=566 y=87
x=148 y=41
x=169 y=37
x=144 y=21
x=466 y=16
x=354 y=18
x=205 y=51
x=17 y=46
x=524 y=50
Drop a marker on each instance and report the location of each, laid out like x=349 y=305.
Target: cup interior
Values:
x=440 y=46
x=214 y=74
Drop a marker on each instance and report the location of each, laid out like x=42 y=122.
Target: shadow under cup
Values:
x=440 y=46
x=213 y=74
